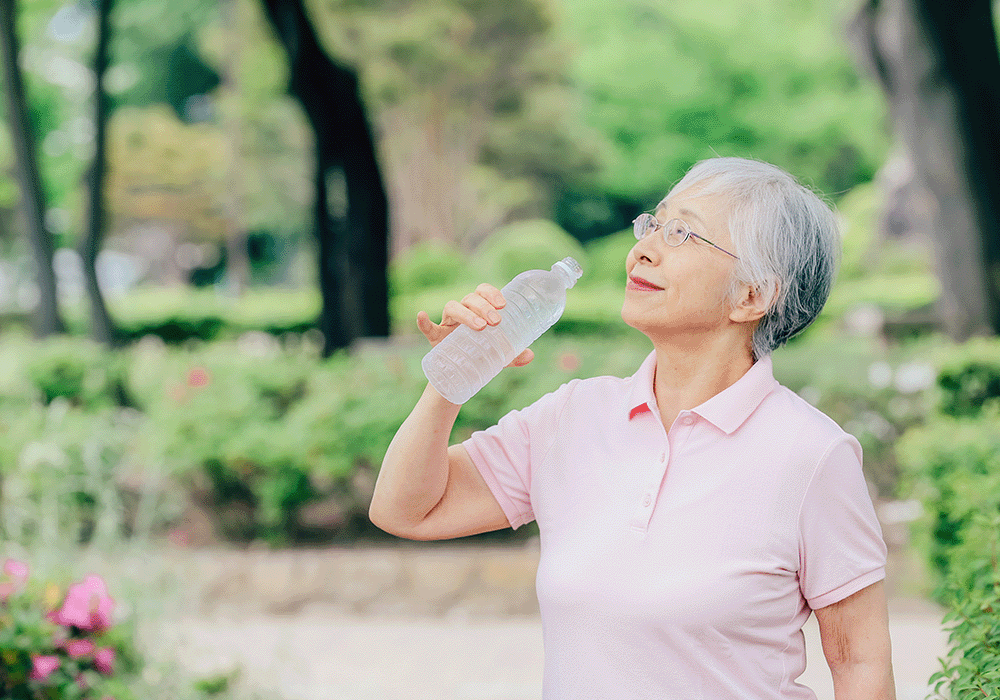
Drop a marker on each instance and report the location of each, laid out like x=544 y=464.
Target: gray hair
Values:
x=786 y=238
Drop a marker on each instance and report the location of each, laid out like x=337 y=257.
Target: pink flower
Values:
x=569 y=362
x=104 y=661
x=79 y=647
x=17 y=573
x=87 y=606
x=17 y=570
x=198 y=377
x=43 y=666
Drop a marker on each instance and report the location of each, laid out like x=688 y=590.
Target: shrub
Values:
x=953 y=464
x=61 y=643
x=970 y=670
x=969 y=378
x=59 y=467
x=81 y=372
x=525 y=245
x=426 y=266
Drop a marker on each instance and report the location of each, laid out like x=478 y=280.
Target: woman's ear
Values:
x=753 y=303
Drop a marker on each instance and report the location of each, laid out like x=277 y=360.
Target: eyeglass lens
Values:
x=674 y=231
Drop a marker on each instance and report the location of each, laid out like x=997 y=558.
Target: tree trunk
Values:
x=354 y=249
x=46 y=319
x=237 y=256
x=102 y=329
x=939 y=66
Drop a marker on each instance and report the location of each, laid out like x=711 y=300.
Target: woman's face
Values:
x=684 y=291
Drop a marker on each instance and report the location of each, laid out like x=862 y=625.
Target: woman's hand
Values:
x=477 y=311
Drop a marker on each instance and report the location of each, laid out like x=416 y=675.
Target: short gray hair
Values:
x=786 y=237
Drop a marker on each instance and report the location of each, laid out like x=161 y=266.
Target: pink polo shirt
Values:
x=682 y=564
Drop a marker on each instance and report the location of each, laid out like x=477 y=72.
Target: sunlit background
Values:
x=267 y=198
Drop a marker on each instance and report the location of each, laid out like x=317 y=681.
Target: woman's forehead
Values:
x=690 y=206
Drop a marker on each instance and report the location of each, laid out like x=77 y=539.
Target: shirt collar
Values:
x=727 y=410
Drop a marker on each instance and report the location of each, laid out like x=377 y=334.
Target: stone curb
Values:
x=442 y=580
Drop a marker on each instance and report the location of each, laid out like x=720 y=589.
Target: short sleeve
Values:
x=841 y=550
x=506 y=453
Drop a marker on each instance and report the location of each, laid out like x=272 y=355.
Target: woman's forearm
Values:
x=864 y=681
x=414 y=473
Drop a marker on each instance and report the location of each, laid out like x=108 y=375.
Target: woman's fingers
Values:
x=523 y=359
x=477 y=310
x=432 y=331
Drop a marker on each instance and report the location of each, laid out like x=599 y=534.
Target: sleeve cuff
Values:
x=848 y=589
x=515 y=517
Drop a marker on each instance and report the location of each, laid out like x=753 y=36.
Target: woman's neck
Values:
x=687 y=376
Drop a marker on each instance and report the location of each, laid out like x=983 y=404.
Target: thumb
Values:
x=523 y=359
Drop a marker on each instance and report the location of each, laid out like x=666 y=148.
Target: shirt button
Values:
x=687 y=420
x=647 y=500
x=663 y=456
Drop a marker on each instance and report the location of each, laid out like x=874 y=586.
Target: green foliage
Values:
x=607 y=258
x=179 y=314
x=953 y=465
x=971 y=670
x=969 y=379
x=668 y=84
x=271 y=441
x=427 y=265
x=59 y=465
x=525 y=245
x=84 y=373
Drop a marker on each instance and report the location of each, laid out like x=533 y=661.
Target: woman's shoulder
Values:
x=808 y=422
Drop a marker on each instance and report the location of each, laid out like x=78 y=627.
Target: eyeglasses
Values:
x=675 y=231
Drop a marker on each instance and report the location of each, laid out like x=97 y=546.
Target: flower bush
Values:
x=61 y=645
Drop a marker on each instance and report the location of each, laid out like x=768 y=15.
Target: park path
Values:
x=318 y=657
x=420 y=623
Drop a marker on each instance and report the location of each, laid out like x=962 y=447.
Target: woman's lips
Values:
x=640 y=285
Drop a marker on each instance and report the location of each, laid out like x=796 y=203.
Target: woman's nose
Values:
x=646 y=250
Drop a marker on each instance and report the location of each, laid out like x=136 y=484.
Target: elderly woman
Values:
x=692 y=516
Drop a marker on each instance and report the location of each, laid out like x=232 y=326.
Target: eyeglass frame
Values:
x=650 y=222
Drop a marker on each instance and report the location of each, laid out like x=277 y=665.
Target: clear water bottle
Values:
x=466 y=360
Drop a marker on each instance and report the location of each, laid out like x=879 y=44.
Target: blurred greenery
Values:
x=488 y=113
x=952 y=464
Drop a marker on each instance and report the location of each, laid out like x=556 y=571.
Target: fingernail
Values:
x=479 y=323
x=493 y=316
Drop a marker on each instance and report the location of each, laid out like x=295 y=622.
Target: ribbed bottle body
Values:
x=466 y=360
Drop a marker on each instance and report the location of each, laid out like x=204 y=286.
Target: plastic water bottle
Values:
x=466 y=360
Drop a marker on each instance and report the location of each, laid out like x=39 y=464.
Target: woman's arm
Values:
x=855 y=635
x=427 y=490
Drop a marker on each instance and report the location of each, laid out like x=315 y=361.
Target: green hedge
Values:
x=953 y=464
x=273 y=442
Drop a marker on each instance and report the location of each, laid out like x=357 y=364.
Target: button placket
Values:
x=649 y=494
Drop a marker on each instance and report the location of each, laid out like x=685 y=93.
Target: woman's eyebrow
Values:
x=688 y=212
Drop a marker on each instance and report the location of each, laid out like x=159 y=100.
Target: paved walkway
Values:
x=317 y=657
x=293 y=639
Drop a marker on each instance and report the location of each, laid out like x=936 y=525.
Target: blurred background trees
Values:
x=481 y=114
x=939 y=67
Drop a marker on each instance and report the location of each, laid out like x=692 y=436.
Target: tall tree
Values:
x=940 y=69
x=47 y=320
x=351 y=207
x=101 y=327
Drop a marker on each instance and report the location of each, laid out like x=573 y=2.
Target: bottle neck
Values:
x=568 y=270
